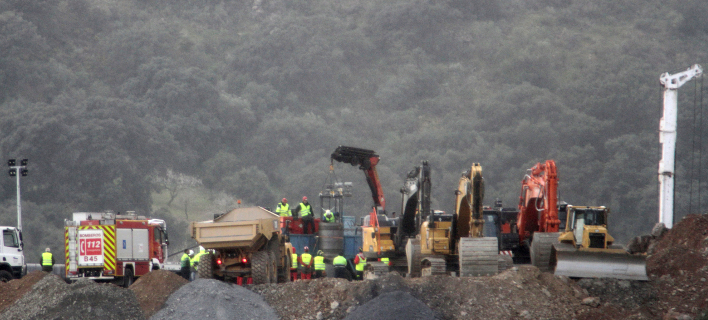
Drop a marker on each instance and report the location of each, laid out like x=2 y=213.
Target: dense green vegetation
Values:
x=176 y=108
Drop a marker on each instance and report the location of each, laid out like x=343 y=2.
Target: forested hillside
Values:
x=175 y=108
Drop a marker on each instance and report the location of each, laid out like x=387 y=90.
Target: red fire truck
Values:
x=113 y=247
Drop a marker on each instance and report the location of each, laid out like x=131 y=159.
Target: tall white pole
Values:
x=667 y=138
x=19 y=203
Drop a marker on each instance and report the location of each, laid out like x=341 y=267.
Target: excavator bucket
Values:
x=575 y=263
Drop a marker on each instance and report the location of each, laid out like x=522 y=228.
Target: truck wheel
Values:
x=5 y=276
x=128 y=278
x=206 y=266
x=273 y=265
x=259 y=267
x=285 y=271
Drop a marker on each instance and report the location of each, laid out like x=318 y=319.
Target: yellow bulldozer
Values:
x=587 y=250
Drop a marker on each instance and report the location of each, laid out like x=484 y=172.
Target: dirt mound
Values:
x=683 y=248
x=678 y=268
x=519 y=293
x=153 y=289
x=392 y=306
x=213 y=299
x=15 y=289
x=52 y=298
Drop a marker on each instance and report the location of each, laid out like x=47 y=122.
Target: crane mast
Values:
x=667 y=138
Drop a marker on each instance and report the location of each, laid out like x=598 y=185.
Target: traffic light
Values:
x=24 y=172
x=23 y=162
x=13 y=172
x=11 y=162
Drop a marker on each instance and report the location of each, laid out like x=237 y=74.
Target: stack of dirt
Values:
x=519 y=293
x=213 y=299
x=392 y=306
x=52 y=298
x=153 y=289
x=15 y=289
x=678 y=268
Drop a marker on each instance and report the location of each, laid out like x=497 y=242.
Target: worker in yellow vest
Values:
x=47 y=261
x=194 y=261
x=283 y=208
x=360 y=262
x=320 y=265
x=293 y=268
x=340 y=267
x=385 y=260
x=328 y=216
x=305 y=260
x=184 y=264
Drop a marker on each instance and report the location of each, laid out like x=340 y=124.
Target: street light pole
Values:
x=13 y=173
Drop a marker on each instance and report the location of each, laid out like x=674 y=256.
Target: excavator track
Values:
x=478 y=256
x=541 y=246
x=432 y=266
x=610 y=263
x=413 y=258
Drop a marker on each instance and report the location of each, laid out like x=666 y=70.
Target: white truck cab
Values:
x=12 y=258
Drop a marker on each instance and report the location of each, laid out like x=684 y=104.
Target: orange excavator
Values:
x=538 y=222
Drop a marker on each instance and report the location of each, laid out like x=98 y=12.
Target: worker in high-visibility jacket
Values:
x=328 y=216
x=283 y=208
x=360 y=262
x=305 y=261
x=194 y=261
x=184 y=264
x=293 y=269
x=47 y=260
x=340 y=267
x=386 y=261
x=320 y=265
x=304 y=210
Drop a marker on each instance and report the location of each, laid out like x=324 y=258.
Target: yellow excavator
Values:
x=587 y=250
x=450 y=242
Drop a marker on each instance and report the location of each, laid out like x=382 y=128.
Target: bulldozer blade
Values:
x=584 y=264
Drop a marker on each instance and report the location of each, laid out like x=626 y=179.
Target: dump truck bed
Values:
x=242 y=227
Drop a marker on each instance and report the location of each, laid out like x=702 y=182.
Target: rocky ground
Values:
x=677 y=264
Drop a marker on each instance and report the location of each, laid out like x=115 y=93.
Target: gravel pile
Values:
x=52 y=298
x=393 y=305
x=212 y=299
x=153 y=289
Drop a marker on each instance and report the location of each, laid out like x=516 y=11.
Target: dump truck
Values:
x=244 y=245
x=585 y=249
x=105 y=246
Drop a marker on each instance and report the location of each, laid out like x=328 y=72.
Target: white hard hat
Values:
x=47 y=250
x=201 y=249
x=327 y=211
x=191 y=252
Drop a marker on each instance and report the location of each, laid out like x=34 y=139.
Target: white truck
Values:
x=12 y=258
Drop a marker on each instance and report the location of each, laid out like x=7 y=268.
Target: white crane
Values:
x=667 y=138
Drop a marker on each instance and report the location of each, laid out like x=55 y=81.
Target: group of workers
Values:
x=306 y=267
x=189 y=263
x=305 y=212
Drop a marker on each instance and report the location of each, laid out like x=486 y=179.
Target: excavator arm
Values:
x=367 y=161
x=468 y=203
x=538 y=202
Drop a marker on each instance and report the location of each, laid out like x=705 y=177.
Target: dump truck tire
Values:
x=541 y=246
x=260 y=270
x=206 y=266
x=285 y=271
